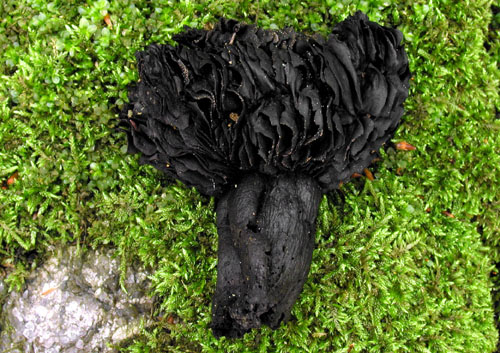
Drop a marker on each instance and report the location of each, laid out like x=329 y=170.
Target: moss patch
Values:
x=404 y=265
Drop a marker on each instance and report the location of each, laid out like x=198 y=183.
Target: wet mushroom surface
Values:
x=266 y=121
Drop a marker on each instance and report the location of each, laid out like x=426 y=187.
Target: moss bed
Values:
x=407 y=264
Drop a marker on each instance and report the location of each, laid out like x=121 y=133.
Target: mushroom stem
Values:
x=266 y=229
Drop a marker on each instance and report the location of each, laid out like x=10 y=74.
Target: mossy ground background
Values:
x=391 y=272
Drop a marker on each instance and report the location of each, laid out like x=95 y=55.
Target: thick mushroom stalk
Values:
x=266 y=238
x=266 y=122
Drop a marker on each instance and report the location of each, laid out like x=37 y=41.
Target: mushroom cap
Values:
x=239 y=99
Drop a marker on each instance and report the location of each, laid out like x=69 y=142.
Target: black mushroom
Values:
x=266 y=121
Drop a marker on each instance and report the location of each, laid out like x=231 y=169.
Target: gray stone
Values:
x=74 y=303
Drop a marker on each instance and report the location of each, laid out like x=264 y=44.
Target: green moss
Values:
x=391 y=272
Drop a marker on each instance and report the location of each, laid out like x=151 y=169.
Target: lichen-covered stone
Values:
x=74 y=303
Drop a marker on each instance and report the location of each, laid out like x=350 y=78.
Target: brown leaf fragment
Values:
x=369 y=174
x=12 y=178
x=107 y=19
x=405 y=146
x=208 y=26
x=234 y=117
x=356 y=175
x=232 y=39
x=448 y=214
x=48 y=291
x=172 y=319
